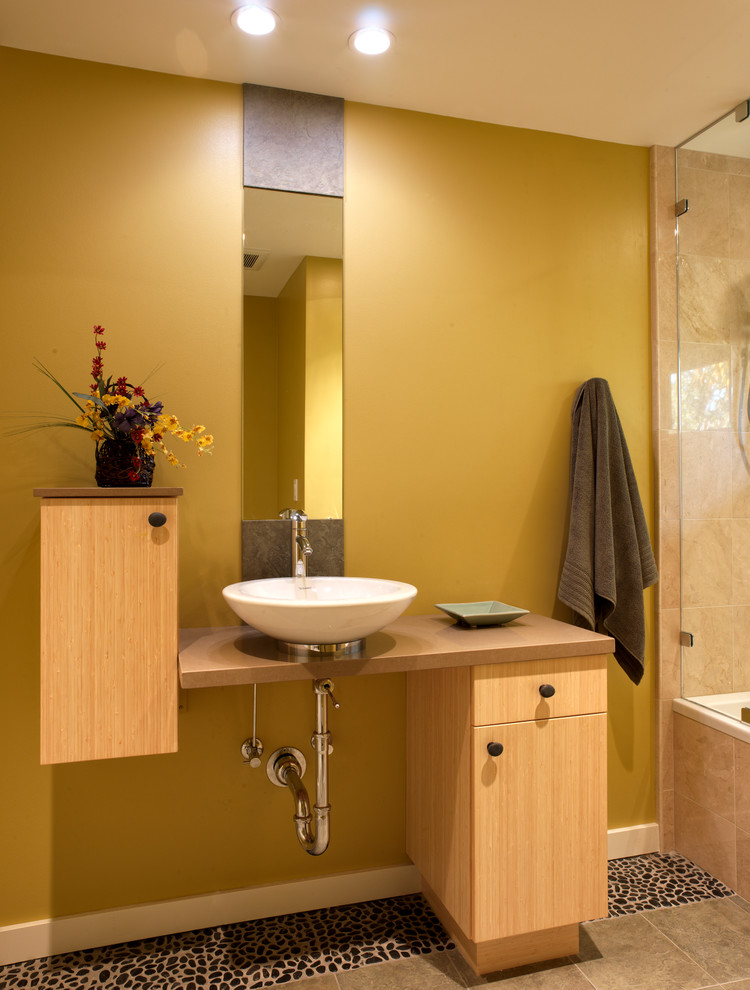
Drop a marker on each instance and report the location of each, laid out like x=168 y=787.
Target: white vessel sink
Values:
x=319 y=610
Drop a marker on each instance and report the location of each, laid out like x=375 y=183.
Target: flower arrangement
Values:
x=118 y=412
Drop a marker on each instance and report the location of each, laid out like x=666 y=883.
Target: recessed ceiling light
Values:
x=254 y=19
x=371 y=40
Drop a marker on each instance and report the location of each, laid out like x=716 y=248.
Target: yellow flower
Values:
x=97 y=435
x=109 y=400
x=199 y=429
x=82 y=420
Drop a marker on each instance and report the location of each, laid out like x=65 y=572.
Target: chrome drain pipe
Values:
x=287 y=767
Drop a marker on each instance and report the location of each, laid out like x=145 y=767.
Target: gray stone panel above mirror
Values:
x=294 y=142
x=267 y=548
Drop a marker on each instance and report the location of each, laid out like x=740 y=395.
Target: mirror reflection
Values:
x=292 y=360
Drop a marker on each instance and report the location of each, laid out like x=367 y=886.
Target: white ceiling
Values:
x=632 y=71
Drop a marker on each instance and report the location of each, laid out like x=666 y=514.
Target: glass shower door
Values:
x=710 y=412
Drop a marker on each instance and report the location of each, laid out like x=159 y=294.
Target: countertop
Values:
x=240 y=655
x=134 y=492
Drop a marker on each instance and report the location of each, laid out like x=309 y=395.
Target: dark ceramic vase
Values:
x=123 y=464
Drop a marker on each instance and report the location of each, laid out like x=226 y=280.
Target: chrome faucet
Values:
x=301 y=548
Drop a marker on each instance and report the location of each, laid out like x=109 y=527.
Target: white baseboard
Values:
x=36 y=939
x=636 y=840
x=49 y=936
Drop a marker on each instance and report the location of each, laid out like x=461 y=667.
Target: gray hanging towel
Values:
x=609 y=560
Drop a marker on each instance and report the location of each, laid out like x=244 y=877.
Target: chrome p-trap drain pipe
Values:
x=287 y=765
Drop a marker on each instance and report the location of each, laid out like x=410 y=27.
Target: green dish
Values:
x=482 y=613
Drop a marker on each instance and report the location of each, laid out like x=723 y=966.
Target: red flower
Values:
x=98 y=329
x=138 y=390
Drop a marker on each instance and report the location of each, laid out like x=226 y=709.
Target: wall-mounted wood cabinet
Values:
x=109 y=623
x=507 y=804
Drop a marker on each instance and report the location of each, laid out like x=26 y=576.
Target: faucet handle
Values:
x=325 y=686
x=292 y=514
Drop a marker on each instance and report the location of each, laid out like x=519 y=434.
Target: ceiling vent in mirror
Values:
x=254 y=259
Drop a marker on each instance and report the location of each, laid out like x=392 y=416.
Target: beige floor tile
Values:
x=630 y=954
x=434 y=971
x=741 y=985
x=558 y=974
x=318 y=983
x=716 y=934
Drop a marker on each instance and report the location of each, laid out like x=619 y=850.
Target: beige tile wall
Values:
x=666 y=447
x=712 y=801
x=703 y=794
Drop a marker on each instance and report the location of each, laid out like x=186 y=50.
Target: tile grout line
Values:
x=584 y=975
x=706 y=986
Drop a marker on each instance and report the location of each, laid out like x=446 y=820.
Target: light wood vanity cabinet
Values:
x=511 y=847
x=109 y=623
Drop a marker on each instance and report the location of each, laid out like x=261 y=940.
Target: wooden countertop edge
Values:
x=237 y=655
x=107 y=492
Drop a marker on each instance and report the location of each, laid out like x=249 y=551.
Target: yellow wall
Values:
x=488 y=272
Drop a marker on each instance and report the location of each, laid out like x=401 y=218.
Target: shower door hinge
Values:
x=686 y=638
x=742 y=111
x=680 y=207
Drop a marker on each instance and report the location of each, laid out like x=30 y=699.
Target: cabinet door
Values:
x=108 y=628
x=539 y=825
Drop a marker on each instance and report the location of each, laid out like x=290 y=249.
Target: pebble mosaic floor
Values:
x=292 y=947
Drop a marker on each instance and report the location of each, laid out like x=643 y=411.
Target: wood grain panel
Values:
x=540 y=826
x=108 y=628
x=510 y=692
x=438 y=784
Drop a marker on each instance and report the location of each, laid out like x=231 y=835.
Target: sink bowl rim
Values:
x=397 y=591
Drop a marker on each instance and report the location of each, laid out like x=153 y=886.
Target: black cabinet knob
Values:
x=157 y=519
x=494 y=749
x=546 y=690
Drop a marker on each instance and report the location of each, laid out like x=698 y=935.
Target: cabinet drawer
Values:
x=509 y=692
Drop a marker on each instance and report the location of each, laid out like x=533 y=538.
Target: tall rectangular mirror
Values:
x=292 y=354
